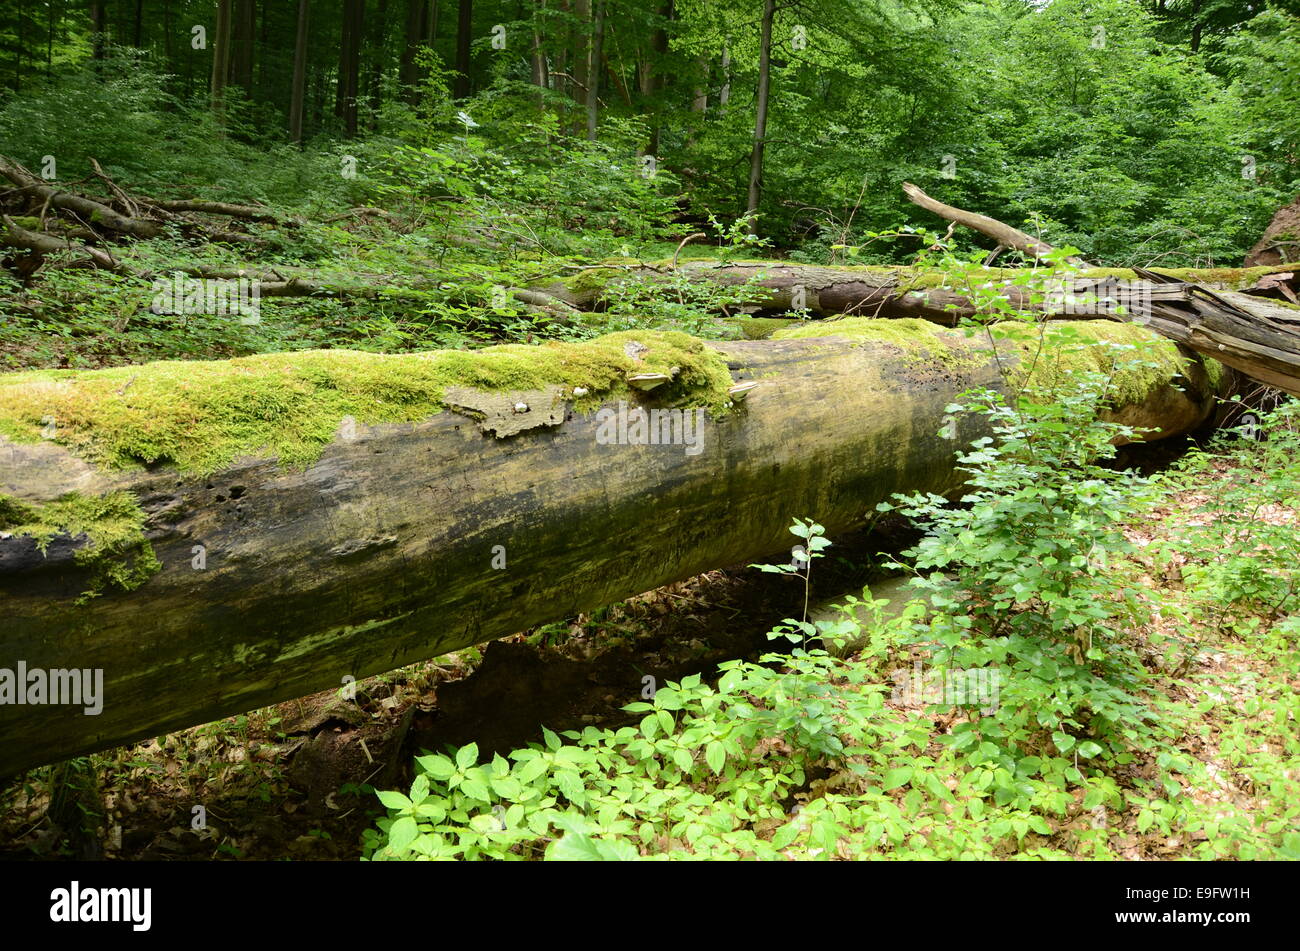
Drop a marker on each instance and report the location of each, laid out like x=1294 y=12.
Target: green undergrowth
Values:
x=117 y=552
x=201 y=416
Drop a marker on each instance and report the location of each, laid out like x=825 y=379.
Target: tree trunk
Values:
x=20 y=44
x=378 y=50
x=97 y=29
x=1005 y=235
x=724 y=93
x=760 y=120
x=652 y=75
x=50 y=10
x=464 y=37
x=220 y=56
x=410 y=540
x=299 y=88
x=580 y=44
x=1237 y=324
x=407 y=70
x=540 y=73
x=593 y=74
x=168 y=50
x=350 y=63
x=241 y=52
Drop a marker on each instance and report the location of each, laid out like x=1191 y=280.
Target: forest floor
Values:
x=297 y=780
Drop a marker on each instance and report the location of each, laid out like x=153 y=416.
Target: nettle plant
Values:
x=796 y=755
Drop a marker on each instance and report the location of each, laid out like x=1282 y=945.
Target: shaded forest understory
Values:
x=324 y=332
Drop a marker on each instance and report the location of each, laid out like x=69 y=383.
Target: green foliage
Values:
x=711 y=772
x=1243 y=548
x=676 y=301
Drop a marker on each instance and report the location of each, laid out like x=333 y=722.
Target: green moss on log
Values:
x=918 y=342
x=116 y=550
x=918 y=339
x=1139 y=360
x=201 y=416
x=1069 y=346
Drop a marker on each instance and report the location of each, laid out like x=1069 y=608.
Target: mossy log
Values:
x=409 y=532
x=869 y=291
x=1239 y=316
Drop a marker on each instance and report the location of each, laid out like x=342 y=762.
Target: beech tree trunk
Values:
x=580 y=43
x=760 y=120
x=464 y=37
x=220 y=56
x=594 y=70
x=299 y=87
x=1246 y=329
x=411 y=540
x=537 y=59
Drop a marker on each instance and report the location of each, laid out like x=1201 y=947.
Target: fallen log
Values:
x=216 y=537
x=13 y=235
x=1235 y=324
x=249 y=212
x=870 y=291
x=1256 y=336
x=93 y=212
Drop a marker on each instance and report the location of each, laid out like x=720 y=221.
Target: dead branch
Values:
x=1003 y=234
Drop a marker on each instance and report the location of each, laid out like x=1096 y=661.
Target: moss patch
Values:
x=1145 y=360
x=117 y=551
x=1070 y=346
x=201 y=416
x=921 y=341
x=758 y=328
x=593 y=280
